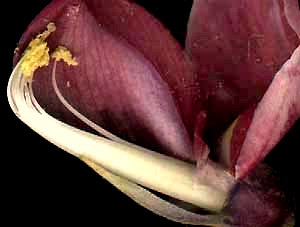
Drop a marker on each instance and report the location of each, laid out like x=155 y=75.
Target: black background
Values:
x=43 y=184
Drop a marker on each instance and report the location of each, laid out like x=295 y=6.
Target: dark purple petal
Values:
x=200 y=148
x=149 y=36
x=256 y=131
x=261 y=200
x=113 y=85
x=38 y=25
x=238 y=48
x=130 y=21
x=275 y=114
x=291 y=9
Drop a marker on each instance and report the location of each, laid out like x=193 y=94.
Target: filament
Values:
x=80 y=116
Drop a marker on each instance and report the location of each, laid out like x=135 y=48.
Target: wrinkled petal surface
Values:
x=237 y=49
x=114 y=84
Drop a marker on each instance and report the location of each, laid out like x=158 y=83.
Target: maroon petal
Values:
x=130 y=21
x=200 y=148
x=262 y=199
x=238 y=48
x=231 y=142
x=255 y=133
x=149 y=36
x=278 y=110
x=113 y=85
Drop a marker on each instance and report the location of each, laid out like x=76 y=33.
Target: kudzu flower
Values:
x=107 y=82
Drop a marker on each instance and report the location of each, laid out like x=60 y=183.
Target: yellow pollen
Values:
x=37 y=54
x=62 y=53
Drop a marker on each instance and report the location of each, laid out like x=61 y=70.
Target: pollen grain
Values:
x=36 y=54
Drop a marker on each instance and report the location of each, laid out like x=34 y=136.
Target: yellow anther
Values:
x=62 y=53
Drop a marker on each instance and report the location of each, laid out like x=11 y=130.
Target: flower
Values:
x=111 y=67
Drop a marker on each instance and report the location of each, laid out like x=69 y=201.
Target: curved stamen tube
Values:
x=142 y=166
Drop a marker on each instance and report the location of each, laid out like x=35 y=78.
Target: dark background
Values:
x=43 y=184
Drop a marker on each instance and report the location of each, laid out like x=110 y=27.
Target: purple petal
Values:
x=149 y=36
x=237 y=49
x=130 y=21
x=40 y=22
x=261 y=200
x=256 y=131
x=278 y=110
x=114 y=85
x=200 y=148
x=261 y=127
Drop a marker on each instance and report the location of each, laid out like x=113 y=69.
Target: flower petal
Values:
x=200 y=148
x=113 y=84
x=149 y=36
x=238 y=48
x=255 y=133
x=232 y=140
x=143 y=31
x=263 y=199
x=275 y=114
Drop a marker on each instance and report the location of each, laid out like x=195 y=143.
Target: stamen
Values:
x=80 y=116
